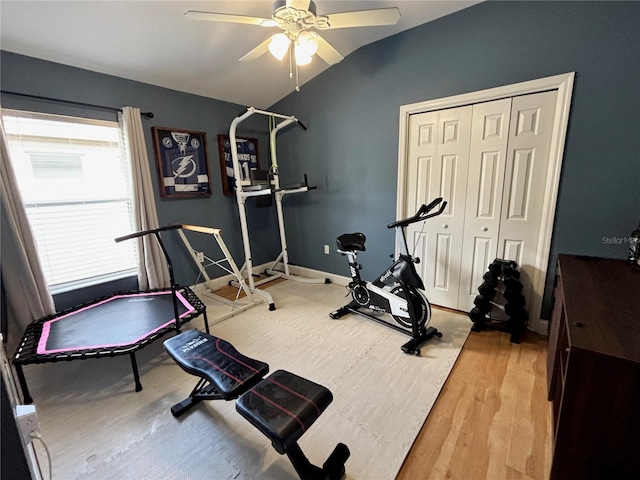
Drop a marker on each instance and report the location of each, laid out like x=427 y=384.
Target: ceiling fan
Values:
x=298 y=20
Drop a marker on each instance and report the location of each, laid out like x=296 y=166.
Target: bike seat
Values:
x=351 y=241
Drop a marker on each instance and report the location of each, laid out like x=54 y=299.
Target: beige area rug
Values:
x=97 y=427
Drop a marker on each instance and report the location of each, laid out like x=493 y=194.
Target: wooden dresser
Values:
x=593 y=370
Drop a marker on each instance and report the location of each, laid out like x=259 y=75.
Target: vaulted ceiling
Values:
x=153 y=42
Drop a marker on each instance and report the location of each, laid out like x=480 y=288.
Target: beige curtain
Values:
x=152 y=265
x=26 y=293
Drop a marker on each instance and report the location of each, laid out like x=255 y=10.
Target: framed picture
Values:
x=248 y=156
x=183 y=165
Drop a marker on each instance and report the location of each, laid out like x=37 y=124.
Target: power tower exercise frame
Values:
x=245 y=188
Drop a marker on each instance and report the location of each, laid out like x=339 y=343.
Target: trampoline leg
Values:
x=136 y=375
x=206 y=322
x=23 y=385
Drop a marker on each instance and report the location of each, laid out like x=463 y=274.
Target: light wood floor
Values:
x=492 y=420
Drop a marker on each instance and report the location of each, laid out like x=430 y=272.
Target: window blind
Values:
x=75 y=182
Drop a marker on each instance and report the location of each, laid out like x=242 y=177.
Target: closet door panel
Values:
x=438 y=156
x=531 y=127
x=446 y=231
x=487 y=160
x=423 y=133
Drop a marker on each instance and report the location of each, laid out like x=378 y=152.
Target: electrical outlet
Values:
x=200 y=256
x=27 y=421
x=326 y=249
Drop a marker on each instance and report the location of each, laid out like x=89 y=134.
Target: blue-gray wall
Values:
x=171 y=109
x=352 y=111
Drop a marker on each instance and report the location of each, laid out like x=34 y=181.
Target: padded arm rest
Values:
x=217 y=361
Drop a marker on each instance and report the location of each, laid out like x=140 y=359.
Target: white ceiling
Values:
x=152 y=42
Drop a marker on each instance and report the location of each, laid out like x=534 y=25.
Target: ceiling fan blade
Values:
x=364 y=18
x=257 y=52
x=299 y=4
x=327 y=52
x=228 y=18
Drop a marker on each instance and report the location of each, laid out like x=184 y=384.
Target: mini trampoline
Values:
x=118 y=324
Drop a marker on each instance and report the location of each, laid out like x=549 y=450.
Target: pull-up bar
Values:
x=251 y=110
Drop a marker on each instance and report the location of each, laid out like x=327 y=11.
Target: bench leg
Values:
x=333 y=468
x=202 y=391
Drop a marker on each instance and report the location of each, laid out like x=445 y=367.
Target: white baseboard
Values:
x=541 y=326
x=224 y=280
x=294 y=269
x=311 y=273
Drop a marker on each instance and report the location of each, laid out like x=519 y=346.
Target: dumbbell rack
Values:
x=500 y=304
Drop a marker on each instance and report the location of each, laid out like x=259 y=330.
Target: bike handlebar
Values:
x=422 y=213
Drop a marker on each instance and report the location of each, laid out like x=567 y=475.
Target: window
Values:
x=75 y=183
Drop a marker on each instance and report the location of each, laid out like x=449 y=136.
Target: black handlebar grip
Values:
x=433 y=204
x=421 y=214
x=147 y=232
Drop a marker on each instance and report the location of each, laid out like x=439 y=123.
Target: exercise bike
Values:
x=398 y=291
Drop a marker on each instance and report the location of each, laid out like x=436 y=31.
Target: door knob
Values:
x=484 y=229
x=444 y=225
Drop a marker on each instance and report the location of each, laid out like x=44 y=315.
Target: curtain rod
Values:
x=71 y=102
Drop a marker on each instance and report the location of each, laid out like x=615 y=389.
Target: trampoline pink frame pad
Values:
x=49 y=325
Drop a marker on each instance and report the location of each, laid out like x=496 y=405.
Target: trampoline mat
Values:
x=120 y=320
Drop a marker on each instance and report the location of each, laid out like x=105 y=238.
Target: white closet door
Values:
x=531 y=128
x=438 y=163
x=487 y=162
x=423 y=136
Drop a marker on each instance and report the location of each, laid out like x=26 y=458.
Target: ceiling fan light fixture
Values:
x=301 y=57
x=279 y=45
x=308 y=43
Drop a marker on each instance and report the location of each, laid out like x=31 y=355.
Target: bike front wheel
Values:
x=421 y=307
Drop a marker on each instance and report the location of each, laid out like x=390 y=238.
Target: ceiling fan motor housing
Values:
x=286 y=17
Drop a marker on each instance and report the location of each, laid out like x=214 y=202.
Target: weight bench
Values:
x=282 y=406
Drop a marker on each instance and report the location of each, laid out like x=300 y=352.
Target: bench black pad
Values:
x=283 y=406
x=217 y=361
